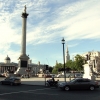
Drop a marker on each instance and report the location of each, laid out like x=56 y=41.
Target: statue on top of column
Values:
x=25 y=9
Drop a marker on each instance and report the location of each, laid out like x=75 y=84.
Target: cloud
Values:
x=73 y=45
x=48 y=22
x=83 y=24
x=80 y=19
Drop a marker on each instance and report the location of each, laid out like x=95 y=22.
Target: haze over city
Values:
x=78 y=21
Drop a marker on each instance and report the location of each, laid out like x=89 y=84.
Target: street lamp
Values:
x=63 y=42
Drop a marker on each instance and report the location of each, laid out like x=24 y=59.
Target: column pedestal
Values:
x=22 y=65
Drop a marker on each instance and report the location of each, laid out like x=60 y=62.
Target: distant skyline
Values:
x=78 y=21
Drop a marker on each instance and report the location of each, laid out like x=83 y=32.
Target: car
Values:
x=11 y=81
x=47 y=76
x=78 y=75
x=72 y=75
x=60 y=76
x=1 y=75
x=79 y=83
x=68 y=75
x=52 y=75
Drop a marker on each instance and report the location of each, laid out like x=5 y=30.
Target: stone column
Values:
x=23 y=44
x=23 y=59
x=24 y=18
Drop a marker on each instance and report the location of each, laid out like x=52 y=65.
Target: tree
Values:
x=69 y=64
x=79 y=61
x=76 y=65
x=56 y=67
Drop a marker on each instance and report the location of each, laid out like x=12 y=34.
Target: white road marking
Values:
x=23 y=91
x=43 y=93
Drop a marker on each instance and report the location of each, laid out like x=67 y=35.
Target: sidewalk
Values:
x=41 y=81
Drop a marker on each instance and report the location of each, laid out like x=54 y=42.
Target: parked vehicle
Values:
x=11 y=81
x=53 y=75
x=1 y=75
x=72 y=75
x=78 y=75
x=52 y=83
x=25 y=76
x=47 y=76
x=79 y=83
x=67 y=75
x=60 y=76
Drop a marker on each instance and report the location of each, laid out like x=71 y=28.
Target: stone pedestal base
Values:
x=23 y=65
x=21 y=71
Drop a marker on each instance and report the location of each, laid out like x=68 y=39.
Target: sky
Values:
x=77 y=21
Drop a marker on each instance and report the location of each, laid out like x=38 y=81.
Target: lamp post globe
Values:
x=63 y=42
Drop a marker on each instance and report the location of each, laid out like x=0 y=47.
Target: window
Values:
x=86 y=80
x=79 y=80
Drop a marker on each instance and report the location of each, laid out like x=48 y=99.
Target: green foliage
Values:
x=70 y=64
x=79 y=61
x=56 y=67
x=76 y=65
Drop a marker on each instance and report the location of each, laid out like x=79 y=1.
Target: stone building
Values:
x=94 y=59
x=36 y=68
x=7 y=65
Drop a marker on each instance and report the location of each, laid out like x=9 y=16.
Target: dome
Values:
x=7 y=58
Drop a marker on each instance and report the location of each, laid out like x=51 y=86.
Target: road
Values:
x=29 y=92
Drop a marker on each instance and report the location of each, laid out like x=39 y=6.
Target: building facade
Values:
x=94 y=59
x=7 y=65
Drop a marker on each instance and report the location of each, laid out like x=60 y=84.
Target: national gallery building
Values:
x=7 y=65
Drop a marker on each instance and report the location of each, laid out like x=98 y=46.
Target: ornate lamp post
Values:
x=63 y=42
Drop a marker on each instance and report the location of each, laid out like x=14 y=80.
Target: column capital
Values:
x=24 y=15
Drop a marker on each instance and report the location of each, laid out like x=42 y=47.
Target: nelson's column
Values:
x=23 y=59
